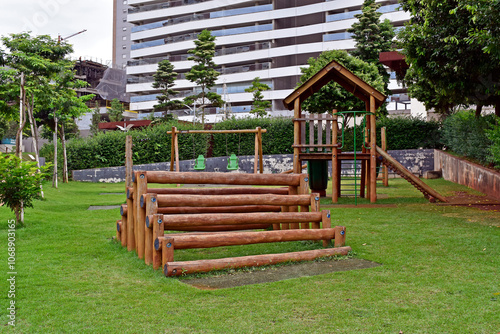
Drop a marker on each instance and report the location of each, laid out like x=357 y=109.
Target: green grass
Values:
x=439 y=274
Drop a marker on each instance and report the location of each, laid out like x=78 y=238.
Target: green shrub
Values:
x=404 y=133
x=494 y=136
x=465 y=134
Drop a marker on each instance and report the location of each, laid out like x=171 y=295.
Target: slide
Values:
x=393 y=164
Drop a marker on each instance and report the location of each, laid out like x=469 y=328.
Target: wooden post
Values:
x=167 y=251
x=130 y=224
x=327 y=223
x=142 y=186
x=118 y=230
x=293 y=191
x=373 y=152
x=335 y=159
x=176 y=149
x=172 y=150
x=261 y=157
x=123 y=230
x=385 y=169
x=315 y=207
x=158 y=231
x=304 y=190
x=151 y=206
x=368 y=183
x=339 y=236
x=297 y=165
x=129 y=165
x=256 y=153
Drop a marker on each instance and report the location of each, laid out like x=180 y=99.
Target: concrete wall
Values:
x=417 y=161
x=468 y=174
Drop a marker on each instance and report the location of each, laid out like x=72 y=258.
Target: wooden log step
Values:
x=219 y=228
x=164 y=177
x=190 y=267
x=212 y=191
x=180 y=221
x=231 y=200
x=188 y=241
x=221 y=209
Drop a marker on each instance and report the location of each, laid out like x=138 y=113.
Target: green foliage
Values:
x=277 y=140
x=260 y=105
x=115 y=113
x=20 y=183
x=447 y=67
x=494 y=135
x=164 y=79
x=464 y=134
x=372 y=37
x=96 y=119
x=410 y=133
x=332 y=95
x=203 y=72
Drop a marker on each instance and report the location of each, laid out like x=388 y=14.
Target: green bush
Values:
x=465 y=135
x=494 y=136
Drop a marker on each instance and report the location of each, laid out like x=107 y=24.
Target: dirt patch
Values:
x=482 y=202
x=280 y=273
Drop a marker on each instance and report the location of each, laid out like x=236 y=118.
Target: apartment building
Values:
x=121 y=34
x=269 y=39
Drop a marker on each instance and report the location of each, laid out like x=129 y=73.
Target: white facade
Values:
x=270 y=39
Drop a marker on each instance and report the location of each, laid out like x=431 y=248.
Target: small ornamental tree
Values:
x=20 y=183
x=203 y=72
x=260 y=105
x=116 y=112
x=164 y=80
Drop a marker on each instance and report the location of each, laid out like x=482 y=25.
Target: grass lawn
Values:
x=439 y=274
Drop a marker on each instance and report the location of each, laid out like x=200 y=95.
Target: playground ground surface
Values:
x=434 y=269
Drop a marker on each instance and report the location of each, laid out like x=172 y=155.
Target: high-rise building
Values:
x=121 y=34
x=269 y=39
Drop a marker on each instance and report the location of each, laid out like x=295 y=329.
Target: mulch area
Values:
x=463 y=198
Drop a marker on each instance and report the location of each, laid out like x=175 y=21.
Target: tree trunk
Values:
x=22 y=120
x=34 y=132
x=65 y=160
x=479 y=109
x=54 y=177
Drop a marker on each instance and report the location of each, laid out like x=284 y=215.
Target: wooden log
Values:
x=256 y=154
x=142 y=186
x=118 y=230
x=292 y=190
x=315 y=207
x=326 y=224
x=130 y=225
x=172 y=147
x=261 y=157
x=335 y=152
x=123 y=231
x=218 y=228
x=304 y=190
x=218 y=131
x=385 y=169
x=189 y=267
x=164 y=177
x=232 y=200
x=158 y=232
x=240 y=218
x=188 y=241
x=296 y=137
x=339 y=236
x=217 y=209
x=212 y=191
x=167 y=251
x=123 y=210
x=151 y=209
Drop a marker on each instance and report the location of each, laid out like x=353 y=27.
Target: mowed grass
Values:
x=439 y=274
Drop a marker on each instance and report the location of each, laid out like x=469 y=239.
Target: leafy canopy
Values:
x=164 y=79
x=260 y=105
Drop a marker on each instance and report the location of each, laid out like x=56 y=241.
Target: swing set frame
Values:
x=258 y=165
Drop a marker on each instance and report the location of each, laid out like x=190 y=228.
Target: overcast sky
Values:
x=64 y=17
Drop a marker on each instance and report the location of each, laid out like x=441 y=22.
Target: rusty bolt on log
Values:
x=306 y=179
x=142 y=176
x=328 y=215
x=316 y=198
x=160 y=221
x=342 y=232
x=153 y=199
x=169 y=245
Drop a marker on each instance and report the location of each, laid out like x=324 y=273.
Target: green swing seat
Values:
x=232 y=162
x=199 y=163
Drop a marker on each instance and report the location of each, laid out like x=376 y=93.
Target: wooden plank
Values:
x=231 y=200
x=151 y=209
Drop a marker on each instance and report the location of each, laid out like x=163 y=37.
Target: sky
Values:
x=64 y=17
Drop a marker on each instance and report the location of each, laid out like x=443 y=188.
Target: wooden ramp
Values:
x=393 y=164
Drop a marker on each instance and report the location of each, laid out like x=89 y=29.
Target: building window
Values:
x=124 y=38
x=125 y=11
x=124 y=2
x=124 y=28
x=124 y=56
x=124 y=47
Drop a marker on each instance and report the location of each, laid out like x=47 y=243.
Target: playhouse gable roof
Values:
x=341 y=75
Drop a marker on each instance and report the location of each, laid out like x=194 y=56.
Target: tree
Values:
x=20 y=184
x=203 y=72
x=96 y=119
x=115 y=113
x=372 y=37
x=332 y=95
x=447 y=67
x=164 y=78
x=260 y=105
